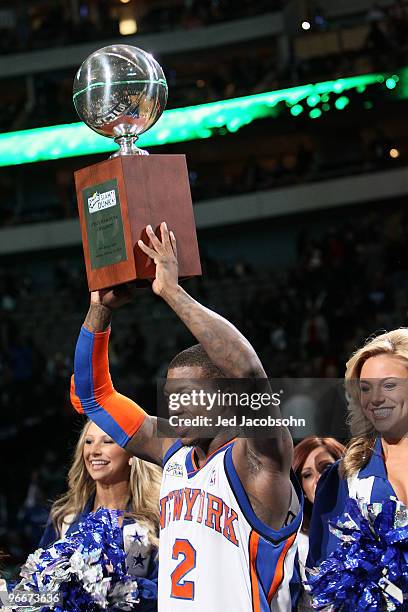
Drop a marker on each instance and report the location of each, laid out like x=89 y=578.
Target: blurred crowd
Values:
x=383 y=33
x=26 y=26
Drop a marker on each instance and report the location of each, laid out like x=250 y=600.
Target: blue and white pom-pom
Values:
x=369 y=569
x=86 y=571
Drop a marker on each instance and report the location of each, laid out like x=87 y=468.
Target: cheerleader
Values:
x=374 y=467
x=104 y=475
x=311 y=457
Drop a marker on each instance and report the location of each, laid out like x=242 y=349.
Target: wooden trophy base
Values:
x=117 y=198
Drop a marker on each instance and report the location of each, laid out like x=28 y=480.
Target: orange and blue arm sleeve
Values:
x=93 y=394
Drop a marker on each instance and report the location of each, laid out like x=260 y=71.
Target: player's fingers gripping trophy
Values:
x=164 y=255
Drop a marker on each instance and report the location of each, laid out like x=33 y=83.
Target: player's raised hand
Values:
x=112 y=298
x=164 y=255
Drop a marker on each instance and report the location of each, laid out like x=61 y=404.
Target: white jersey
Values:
x=215 y=554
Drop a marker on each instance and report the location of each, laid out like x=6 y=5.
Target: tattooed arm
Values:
x=227 y=348
x=103 y=302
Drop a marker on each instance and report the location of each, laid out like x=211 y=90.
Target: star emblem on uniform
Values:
x=138 y=560
x=137 y=537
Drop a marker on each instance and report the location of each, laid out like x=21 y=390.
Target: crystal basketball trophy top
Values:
x=120 y=92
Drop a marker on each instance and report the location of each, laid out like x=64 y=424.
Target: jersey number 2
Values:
x=184 y=589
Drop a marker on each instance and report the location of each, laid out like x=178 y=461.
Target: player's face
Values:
x=105 y=460
x=384 y=394
x=315 y=464
x=182 y=383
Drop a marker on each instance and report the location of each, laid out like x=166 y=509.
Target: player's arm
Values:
x=92 y=391
x=227 y=348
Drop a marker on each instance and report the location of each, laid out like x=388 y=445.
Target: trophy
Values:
x=120 y=91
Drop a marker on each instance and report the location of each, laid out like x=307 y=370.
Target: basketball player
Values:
x=229 y=510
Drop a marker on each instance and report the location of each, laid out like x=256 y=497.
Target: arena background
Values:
x=300 y=208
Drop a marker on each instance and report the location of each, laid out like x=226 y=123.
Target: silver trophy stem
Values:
x=127 y=146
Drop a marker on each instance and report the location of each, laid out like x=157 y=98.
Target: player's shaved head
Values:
x=194 y=357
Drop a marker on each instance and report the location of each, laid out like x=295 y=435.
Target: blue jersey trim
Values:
x=266 y=561
x=263 y=595
x=172 y=450
x=192 y=471
x=247 y=510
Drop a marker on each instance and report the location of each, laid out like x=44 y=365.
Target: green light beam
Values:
x=176 y=125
